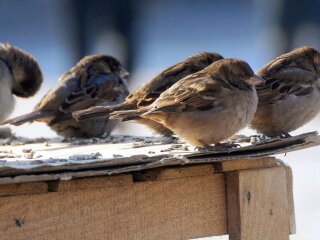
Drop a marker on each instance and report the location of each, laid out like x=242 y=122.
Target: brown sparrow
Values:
x=96 y=80
x=20 y=75
x=209 y=106
x=149 y=92
x=290 y=95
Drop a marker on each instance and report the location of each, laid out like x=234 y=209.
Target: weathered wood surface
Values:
x=292 y=219
x=168 y=203
x=241 y=164
x=22 y=189
x=173 y=208
x=56 y=161
x=258 y=204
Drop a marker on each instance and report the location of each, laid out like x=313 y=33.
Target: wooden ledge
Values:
x=150 y=192
x=168 y=203
x=65 y=161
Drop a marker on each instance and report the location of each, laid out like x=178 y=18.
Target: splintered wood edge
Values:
x=225 y=166
x=142 y=162
x=100 y=178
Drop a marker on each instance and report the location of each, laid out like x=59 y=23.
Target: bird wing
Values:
x=103 y=87
x=148 y=93
x=191 y=93
x=285 y=81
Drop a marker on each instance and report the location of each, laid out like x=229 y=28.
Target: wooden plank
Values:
x=89 y=183
x=180 y=208
x=173 y=172
x=151 y=174
x=257 y=204
x=241 y=164
x=25 y=188
x=59 y=160
x=233 y=204
x=292 y=220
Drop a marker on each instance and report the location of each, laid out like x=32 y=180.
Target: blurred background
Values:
x=148 y=36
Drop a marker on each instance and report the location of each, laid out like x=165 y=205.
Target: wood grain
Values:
x=24 y=188
x=173 y=172
x=292 y=220
x=89 y=183
x=241 y=164
x=180 y=208
x=257 y=202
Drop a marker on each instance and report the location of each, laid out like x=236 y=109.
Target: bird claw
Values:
x=285 y=135
x=219 y=147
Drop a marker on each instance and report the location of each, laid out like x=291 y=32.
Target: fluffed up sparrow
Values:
x=20 y=75
x=290 y=95
x=96 y=80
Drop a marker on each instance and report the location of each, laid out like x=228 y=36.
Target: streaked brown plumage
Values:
x=96 y=80
x=208 y=106
x=149 y=92
x=20 y=75
x=290 y=94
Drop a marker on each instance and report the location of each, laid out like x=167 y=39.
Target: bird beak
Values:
x=255 y=80
x=124 y=73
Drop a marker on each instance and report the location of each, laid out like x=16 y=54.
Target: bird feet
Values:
x=218 y=147
x=285 y=135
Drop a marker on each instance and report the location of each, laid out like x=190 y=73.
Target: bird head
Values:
x=25 y=72
x=305 y=57
x=114 y=66
x=203 y=59
x=238 y=73
x=101 y=63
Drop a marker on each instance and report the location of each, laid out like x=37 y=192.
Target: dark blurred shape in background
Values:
x=102 y=22
x=300 y=21
x=149 y=35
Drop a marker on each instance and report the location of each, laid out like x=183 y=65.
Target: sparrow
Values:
x=289 y=96
x=96 y=80
x=209 y=106
x=150 y=91
x=20 y=75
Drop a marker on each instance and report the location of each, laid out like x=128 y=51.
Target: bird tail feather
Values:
x=29 y=117
x=127 y=115
x=99 y=112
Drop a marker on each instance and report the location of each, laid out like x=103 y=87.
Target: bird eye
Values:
x=275 y=86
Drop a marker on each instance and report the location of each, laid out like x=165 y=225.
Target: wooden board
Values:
x=292 y=219
x=90 y=183
x=170 y=208
x=258 y=204
x=60 y=161
x=241 y=164
x=168 y=203
x=22 y=189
